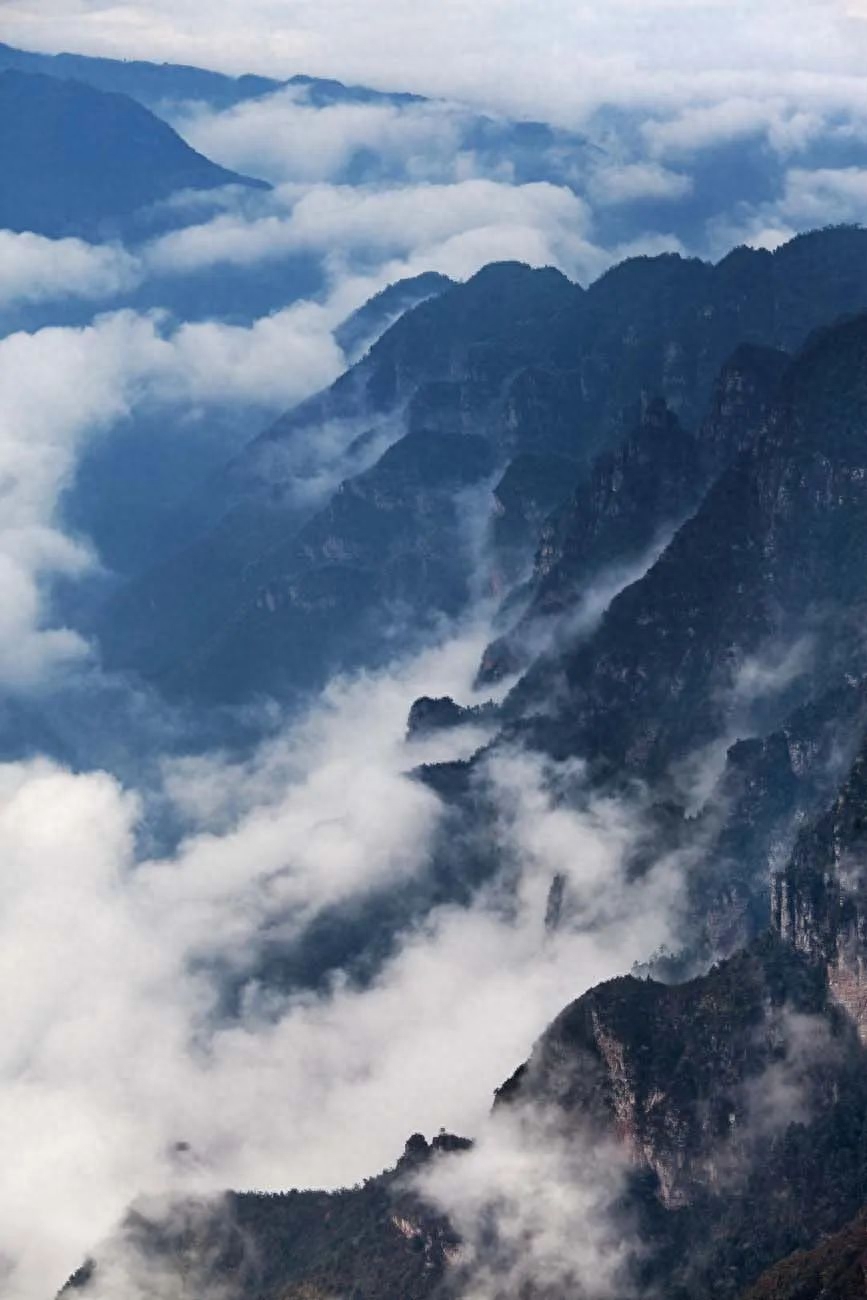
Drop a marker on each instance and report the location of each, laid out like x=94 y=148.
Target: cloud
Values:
x=609 y=186
x=557 y=63
x=116 y=1047
x=374 y=225
x=33 y=269
x=282 y=138
x=535 y=1205
x=787 y=127
x=276 y=361
x=769 y=673
x=810 y=198
x=65 y=387
x=823 y=196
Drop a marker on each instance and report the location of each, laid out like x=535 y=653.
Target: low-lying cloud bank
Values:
x=33 y=268
x=117 y=1046
x=393 y=229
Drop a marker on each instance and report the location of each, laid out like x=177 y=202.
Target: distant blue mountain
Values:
x=528 y=151
x=150 y=83
x=713 y=192
x=79 y=161
x=155 y=84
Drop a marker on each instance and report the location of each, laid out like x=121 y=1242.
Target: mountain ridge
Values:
x=79 y=161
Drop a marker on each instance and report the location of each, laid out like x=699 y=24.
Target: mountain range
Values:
x=513 y=376
x=652 y=492
x=730 y=1076
x=77 y=161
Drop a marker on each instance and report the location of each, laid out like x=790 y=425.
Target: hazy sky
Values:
x=549 y=56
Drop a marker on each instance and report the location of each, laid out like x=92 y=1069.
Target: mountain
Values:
x=632 y=496
x=737 y=1097
x=78 y=161
x=152 y=84
x=528 y=151
x=696 y=192
x=162 y=85
x=546 y=375
x=373 y=1240
x=740 y=1098
x=365 y=325
x=767 y=572
x=610 y=164
x=392 y=535
x=834 y=1270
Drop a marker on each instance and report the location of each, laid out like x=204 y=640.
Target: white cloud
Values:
x=786 y=126
x=824 y=196
x=534 y=1204
x=558 y=61
x=400 y=221
x=112 y=1051
x=276 y=361
x=64 y=387
x=608 y=186
x=33 y=268
x=281 y=138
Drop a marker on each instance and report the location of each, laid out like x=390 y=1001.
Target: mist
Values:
x=118 y=1045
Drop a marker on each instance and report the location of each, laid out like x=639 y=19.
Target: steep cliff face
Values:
x=389 y=555
x=738 y=1090
x=769 y=788
x=532 y=486
x=633 y=496
x=820 y=899
x=632 y=493
x=753 y=608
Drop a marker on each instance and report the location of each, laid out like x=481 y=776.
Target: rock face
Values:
x=429 y=715
x=634 y=497
x=820 y=899
x=728 y=1092
x=770 y=787
x=754 y=606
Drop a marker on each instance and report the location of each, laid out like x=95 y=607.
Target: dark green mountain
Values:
x=836 y=1269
